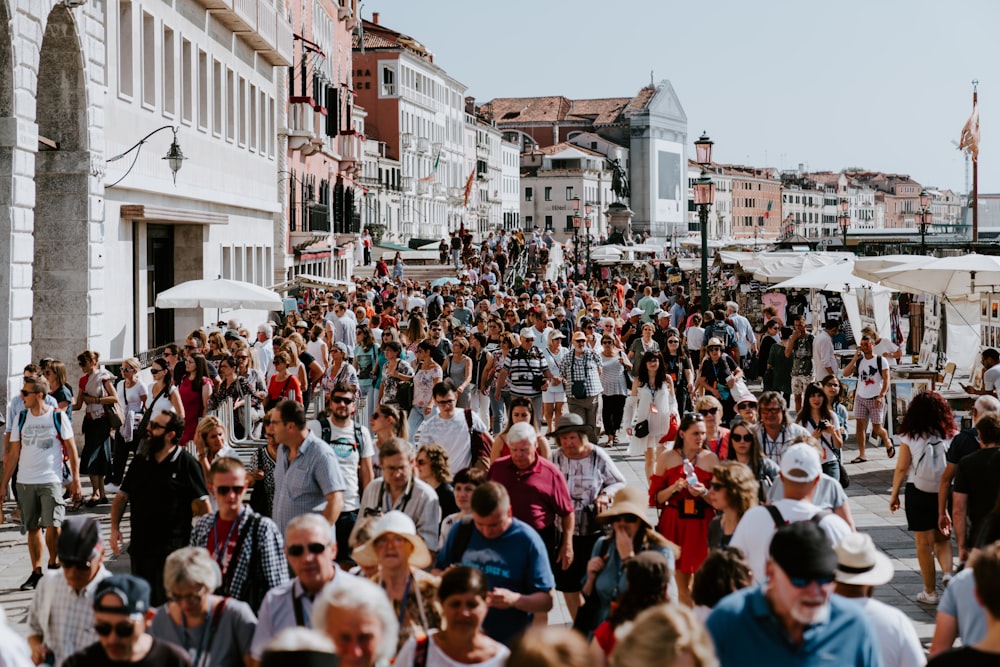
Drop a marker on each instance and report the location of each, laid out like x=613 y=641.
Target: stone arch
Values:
x=62 y=229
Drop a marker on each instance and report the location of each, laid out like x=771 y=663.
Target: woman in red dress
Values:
x=195 y=390
x=678 y=487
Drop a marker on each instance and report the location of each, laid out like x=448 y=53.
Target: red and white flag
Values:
x=969 y=143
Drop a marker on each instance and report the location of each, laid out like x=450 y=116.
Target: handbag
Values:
x=590 y=611
x=845 y=479
x=641 y=429
x=579 y=389
x=115 y=414
x=404 y=395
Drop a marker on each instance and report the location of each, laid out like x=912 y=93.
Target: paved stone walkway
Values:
x=868 y=493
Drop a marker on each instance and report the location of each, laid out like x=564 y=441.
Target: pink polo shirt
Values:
x=537 y=494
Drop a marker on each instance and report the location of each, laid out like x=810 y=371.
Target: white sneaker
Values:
x=927 y=598
x=945 y=580
x=111 y=488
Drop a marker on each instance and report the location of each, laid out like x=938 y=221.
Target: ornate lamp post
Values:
x=924 y=218
x=704 y=196
x=577 y=220
x=844 y=219
x=588 y=209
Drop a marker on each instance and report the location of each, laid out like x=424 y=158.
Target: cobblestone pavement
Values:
x=868 y=493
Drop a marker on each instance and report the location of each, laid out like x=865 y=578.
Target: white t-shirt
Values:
x=991 y=378
x=437 y=658
x=349 y=455
x=162 y=403
x=869 y=377
x=453 y=435
x=898 y=642
x=41 y=447
x=695 y=337
x=754 y=531
x=886 y=346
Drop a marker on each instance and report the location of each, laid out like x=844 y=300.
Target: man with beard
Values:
x=794 y=618
x=166 y=489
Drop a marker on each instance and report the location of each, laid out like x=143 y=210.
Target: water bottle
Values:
x=689 y=473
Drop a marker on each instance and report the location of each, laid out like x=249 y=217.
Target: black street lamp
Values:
x=174 y=157
x=576 y=236
x=586 y=222
x=844 y=218
x=924 y=219
x=704 y=196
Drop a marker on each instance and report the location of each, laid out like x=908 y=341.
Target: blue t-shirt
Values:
x=517 y=561
x=742 y=624
x=959 y=601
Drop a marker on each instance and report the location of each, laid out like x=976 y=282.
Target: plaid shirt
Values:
x=586 y=368
x=63 y=618
x=269 y=544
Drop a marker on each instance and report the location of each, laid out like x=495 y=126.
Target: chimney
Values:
x=470 y=105
x=375 y=18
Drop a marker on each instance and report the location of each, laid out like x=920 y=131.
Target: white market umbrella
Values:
x=953 y=277
x=218 y=293
x=868 y=267
x=835 y=277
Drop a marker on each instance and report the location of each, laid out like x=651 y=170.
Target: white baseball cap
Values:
x=800 y=463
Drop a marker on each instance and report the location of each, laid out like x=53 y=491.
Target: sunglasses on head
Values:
x=315 y=548
x=121 y=628
x=704 y=412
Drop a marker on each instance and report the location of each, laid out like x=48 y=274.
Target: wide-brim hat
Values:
x=570 y=423
x=859 y=562
x=714 y=342
x=627 y=501
x=397 y=523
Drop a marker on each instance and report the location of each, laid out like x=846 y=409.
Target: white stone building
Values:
x=510 y=178
x=90 y=242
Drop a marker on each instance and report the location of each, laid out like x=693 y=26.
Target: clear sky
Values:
x=879 y=84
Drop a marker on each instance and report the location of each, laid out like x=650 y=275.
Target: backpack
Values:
x=327 y=433
x=480 y=444
x=434 y=306
x=878 y=362
x=929 y=466
x=780 y=520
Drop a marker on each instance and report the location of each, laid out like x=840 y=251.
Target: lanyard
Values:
x=770 y=452
x=206 y=637
x=406 y=597
x=222 y=549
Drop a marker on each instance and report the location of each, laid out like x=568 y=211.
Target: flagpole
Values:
x=975 y=177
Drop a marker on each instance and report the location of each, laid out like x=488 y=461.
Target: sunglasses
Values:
x=802 y=582
x=717 y=486
x=226 y=490
x=770 y=411
x=704 y=412
x=745 y=405
x=315 y=548
x=342 y=400
x=673 y=341
x=627 y=518
x=121 y=628
x=26 y=393
x=737 y=437
x=189 y=597
x=190 y=347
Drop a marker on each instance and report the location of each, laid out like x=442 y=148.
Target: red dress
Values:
x=690 y=534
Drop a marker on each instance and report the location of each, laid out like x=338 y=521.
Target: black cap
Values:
x=78 y=539
x=803 y=550
x=132 y=592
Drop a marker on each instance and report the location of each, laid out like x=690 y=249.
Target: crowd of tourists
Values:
x=408 y=474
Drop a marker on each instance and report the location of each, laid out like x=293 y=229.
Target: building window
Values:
x=548 y=194
x=529 y=220
x=569 y=194
x=230 y=105
x=548 y=222
x=569 y=223
x=187 y=81
x=148 y=60
x=242 y=112
x=125 y=40
x=169 y=60
x=203 y=88
x=529 y=194
x=218 y=86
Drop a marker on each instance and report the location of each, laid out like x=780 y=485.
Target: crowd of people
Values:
x=436 y=465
